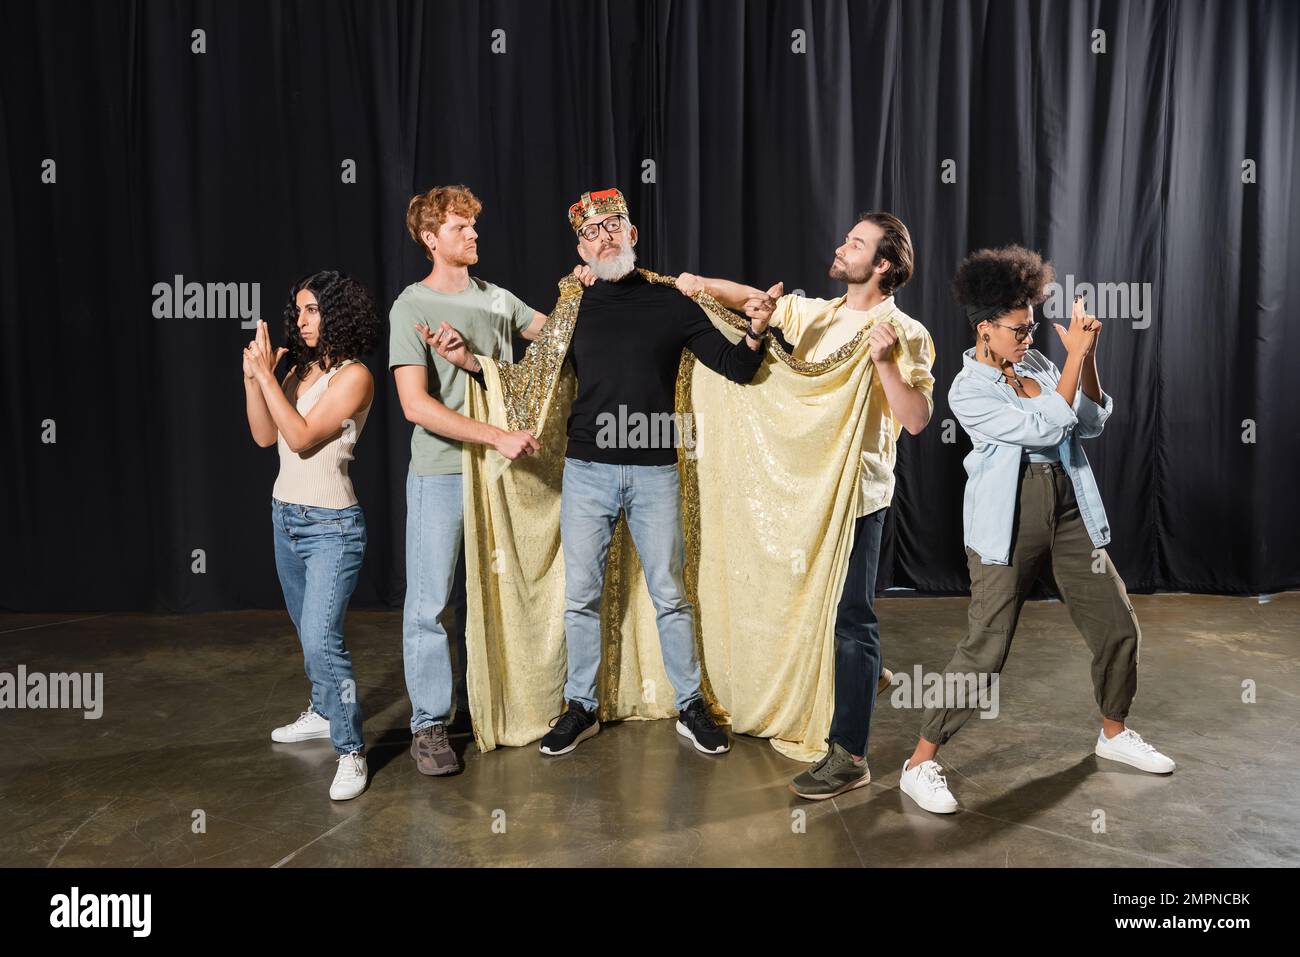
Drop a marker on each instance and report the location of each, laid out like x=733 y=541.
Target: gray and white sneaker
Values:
x=832 y=775
x=309 y=725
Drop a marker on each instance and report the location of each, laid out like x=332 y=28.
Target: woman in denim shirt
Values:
x=314 y=418
x=1030 y=499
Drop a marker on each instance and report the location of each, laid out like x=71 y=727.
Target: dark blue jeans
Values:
x=857 y=639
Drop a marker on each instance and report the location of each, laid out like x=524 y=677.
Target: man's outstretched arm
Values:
x=733 y=295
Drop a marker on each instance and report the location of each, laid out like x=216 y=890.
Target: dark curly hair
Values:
x=349 y=324
x=1011 y=277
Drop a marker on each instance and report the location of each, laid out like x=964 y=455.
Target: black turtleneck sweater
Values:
x=626 y=348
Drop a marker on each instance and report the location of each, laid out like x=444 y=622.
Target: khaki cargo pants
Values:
x=1047 y=527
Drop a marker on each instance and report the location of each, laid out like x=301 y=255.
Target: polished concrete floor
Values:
x=189 y=703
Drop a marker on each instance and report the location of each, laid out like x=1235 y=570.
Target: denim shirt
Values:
x=1001 y=425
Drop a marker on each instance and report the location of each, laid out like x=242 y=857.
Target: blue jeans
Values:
x=857 y=639
x=318 y=553
x=650 y=497
x=435 y=596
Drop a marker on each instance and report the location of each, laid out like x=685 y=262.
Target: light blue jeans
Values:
x=318 y=553
x=650 y=497
x=433 y=617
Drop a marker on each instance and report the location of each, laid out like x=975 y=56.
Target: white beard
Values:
x=612 y=270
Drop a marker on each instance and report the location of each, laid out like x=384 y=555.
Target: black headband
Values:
x=977 y=314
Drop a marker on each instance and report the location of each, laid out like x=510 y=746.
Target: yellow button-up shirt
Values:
x=815 y=328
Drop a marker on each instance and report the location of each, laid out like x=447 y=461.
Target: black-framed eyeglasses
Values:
x=591 y=232
x=1021 y=332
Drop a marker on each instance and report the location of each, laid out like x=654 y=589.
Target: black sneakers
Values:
x=696 y=723
x=569 y=730
x=577 y=724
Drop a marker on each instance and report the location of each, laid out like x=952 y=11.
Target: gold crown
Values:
x=596 y=203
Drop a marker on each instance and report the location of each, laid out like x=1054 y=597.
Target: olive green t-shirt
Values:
x=487 y=316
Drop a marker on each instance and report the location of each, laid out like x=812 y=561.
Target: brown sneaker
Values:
x=432 y=751
x=886 y=679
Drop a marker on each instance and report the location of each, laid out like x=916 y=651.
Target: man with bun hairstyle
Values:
x=874 y=261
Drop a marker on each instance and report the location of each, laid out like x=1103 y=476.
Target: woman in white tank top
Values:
x=314 y=418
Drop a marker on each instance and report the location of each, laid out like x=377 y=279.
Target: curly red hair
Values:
x=427 y=211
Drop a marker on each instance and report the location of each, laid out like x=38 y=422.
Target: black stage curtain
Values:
x=1122 y=166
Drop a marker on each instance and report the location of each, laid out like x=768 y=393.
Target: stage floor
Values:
x=189 y=703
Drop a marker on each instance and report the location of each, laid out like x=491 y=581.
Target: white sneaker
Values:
x=1129 y=748
x=350 y=778
x=309 y=725
x=925 y=784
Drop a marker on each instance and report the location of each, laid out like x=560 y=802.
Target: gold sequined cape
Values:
x=768 y=497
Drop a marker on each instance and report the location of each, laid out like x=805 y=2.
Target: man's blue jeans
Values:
x=435 y=596
x=318 y=554
x=857 y=639
x=650 y=497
